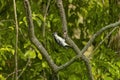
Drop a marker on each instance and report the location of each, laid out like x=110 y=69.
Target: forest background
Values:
x=28 y=50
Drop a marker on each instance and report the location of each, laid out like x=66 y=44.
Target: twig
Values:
x=98 y=33
x=86 y=47
x=76 y=49
x=11 y=74
x=63 y=17
x=103 y=40
x=4 y=29
x=16 y=43
x=33 y=38
x=45 y=54
x=44 y=22
x=23 y=70
x=45 y=15
x=9 y=20
x=70 y=41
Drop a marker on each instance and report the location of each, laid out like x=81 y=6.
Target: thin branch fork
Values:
x=33 y=38
x=86 y=47
x=98 y=33
x=106 y=37
x=44 y=52
x=71 y=42
x=74 y=46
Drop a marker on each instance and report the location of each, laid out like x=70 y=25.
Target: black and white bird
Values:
x=60 y=40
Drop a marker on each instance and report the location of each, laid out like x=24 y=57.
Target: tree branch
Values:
x=16 y=43
x=33 y=38
x=74 y=46
x=103 y=41
x=79 y=53
x=90 y=42
x=70 y=41
x=45 y=15
x=98 y=33
x=86 y=47
x=11 y=74
x=63 y=17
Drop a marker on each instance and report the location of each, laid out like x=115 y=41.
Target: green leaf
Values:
x=8 y=48
x=30 y=54
x=39 y=56
x=70 y=1
x=44 y=64
x=2 y=77
x=36 y=18
x=73 y=77
x=1 y=68
x=27 y=44
x=25 y=21
x=1 y=24
x=118 y=63
x=3 y=63
x=11 y=27
x=108 y=78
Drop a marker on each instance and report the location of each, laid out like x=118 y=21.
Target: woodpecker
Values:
x=60 y=40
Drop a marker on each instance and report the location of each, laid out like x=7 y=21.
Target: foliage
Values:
x=86 y=16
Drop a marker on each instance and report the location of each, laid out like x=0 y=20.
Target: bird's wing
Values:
x=60 y=40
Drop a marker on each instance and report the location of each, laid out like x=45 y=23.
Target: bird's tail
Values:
x=68 y=46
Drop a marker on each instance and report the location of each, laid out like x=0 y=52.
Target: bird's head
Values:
x=55 y=33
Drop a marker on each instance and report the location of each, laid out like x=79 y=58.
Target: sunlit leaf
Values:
x=1 y=24
x=11 y=27
x=118 y=63
x=30 y=54
x=39 y=56
x=1 y=68
x=70 y=1
x=108 y=78
x=8 y=48
x=2 y=77
x=25 y=21
x=84 y=42
x=27 y=44
x=21 y=22
x=44 y=64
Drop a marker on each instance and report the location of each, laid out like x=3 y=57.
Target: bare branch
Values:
x=79 y=53
x=103 y=40
x=11 y=74
x=87 y=63
x=70 y=41
x=98 y=33
x=16 y=43
x=74 y=46
x=88 y=67
x=33 y=38
x=63 y=17
x=9 y=20
x=45 y=15
x=67 y=63
x=86 y=47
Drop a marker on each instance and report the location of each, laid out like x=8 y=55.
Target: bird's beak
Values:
x=54 y=33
